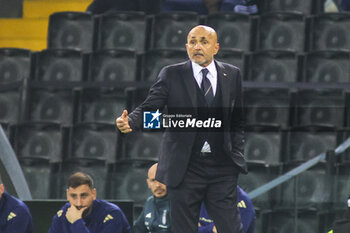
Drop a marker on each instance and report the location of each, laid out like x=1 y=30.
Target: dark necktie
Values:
x=206 y=87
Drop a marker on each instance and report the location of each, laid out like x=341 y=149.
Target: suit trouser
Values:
x=217 y=187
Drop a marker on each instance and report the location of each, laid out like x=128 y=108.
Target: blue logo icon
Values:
x=151 y=119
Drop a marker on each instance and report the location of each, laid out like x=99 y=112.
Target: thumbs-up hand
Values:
x=123 y=123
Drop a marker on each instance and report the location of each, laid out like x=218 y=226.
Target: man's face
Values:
x=202 y=45
x=158 y=189
x=2 y=190
x=81 y=196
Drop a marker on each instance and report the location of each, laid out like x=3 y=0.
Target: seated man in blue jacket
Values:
x=155 y=215
x=84 y=213
x=14 y=214
x=246 y=209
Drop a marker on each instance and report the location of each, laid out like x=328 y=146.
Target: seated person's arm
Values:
x=17 y=221
x=139 y=224
x=115 y=222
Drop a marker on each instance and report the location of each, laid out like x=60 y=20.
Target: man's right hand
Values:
x=123 y=123
x=73 y=214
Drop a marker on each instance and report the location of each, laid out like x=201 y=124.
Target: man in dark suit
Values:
x=200 y=164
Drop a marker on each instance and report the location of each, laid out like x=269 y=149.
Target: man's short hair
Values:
x=1 y=180
x=80 y=178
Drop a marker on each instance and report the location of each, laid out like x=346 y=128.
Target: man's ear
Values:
x=2 y=189
x=217 y=48
x=94 y=193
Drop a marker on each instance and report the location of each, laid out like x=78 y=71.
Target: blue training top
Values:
x=104 y=218
x=246 y=210
x=14 y=215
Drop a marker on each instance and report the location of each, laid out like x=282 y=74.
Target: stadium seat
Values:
x=71 y=30
x=327 y=67
x=234 y=57
x=282 y=30
x=305 y=143
x=40 y=148
x=235 y=31
x=170 y=29
x=328 y=216
x=263 y=145
x=304 y=190
x=264 y=106
x=14 y=65
x=285 y=221
x=184 y=5
x=39 y=141
x=342 y=185
x=155 y=60
x=122 y=30
x=102 y=105
x=258 y=175
x=113 y=66
x=59 y=65
x=273 y=66
x=57 y=105
x=93 y=142
x=320 y=107
x=330 y=31
x=141 y=145
x=11 y=103
x=307 y=7
x=129 y=181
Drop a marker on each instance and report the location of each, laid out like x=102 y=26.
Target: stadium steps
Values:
x=30 y=32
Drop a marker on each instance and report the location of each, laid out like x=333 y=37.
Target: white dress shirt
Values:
x=213 y=78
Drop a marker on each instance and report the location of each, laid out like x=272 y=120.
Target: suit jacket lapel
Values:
x=225 y=85
x=190 y=82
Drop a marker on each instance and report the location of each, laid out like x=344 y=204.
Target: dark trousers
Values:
x=217 y=187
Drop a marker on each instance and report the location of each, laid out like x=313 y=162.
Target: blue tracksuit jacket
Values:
x=104 y=218
x=14 y=215
x=246 y=210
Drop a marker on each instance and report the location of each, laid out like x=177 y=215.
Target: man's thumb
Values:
x=125 y=114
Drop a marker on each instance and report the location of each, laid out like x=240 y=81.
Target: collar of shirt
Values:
x=212 y=75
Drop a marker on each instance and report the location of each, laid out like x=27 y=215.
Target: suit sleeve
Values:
x=237 y=118
x=19 y=221
x=156 y=99
x=139 y=225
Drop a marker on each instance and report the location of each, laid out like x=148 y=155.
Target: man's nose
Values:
x=197 y=46
x=78 y=201
x=157 y=183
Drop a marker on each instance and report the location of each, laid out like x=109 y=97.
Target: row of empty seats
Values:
x=264 y=6
x=65 y=65
x=91 y=142
x=138 y=32
x=279 y=107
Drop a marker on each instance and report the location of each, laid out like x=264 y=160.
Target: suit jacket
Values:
x=175 y=88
